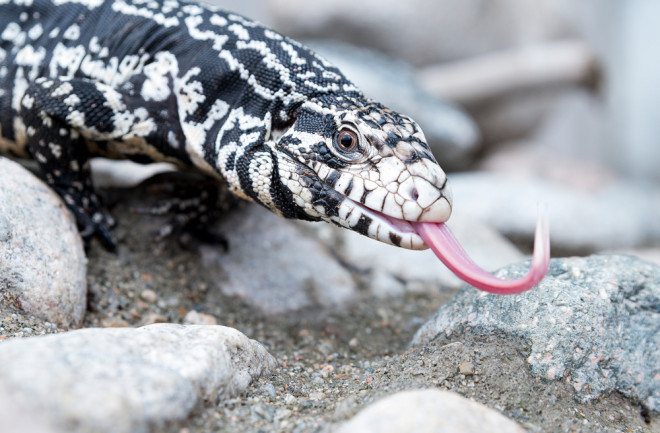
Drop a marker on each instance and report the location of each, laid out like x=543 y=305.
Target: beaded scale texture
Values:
x=210 y=90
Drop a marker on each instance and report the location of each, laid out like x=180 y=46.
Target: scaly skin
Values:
x=213 y=91
x=207 y=89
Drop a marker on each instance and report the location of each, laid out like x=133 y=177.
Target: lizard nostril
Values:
x=414 y=194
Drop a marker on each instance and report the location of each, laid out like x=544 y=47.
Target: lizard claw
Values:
x=92 y=220
x=97 y=226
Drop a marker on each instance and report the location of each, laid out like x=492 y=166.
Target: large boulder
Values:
x=593 y=322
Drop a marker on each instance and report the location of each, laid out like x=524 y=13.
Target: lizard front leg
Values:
x=63 y=118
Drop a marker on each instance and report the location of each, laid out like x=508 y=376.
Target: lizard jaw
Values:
x=393 y=224
x=355 y=216
x=421 y=235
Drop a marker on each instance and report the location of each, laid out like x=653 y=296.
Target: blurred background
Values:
x=551 y=101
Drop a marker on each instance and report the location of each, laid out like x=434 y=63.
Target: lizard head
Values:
x=355 y=163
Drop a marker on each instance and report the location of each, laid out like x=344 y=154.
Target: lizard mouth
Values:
x=377 y=225
x=425 y=233
x=437 y=236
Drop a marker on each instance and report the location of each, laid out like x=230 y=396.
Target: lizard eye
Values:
x=346 y=140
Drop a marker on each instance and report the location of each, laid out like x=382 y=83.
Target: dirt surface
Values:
x=330 y=363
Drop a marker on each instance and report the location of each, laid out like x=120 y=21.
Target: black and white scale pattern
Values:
x=205 y=88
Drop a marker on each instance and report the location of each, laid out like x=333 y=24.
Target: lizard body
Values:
x=210 y=90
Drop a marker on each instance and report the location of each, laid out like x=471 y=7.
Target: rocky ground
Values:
x=333 y=356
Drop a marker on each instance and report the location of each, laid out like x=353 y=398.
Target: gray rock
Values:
x=517 y=115
x=17 y=419
x=43 y=266
x=387 y=268
x=514 y=93
x=593 y=322
x=527 y=159
x=254 y=9
x=428 y=410
x=577 y=128
x=273 y=265
x=424 y=32
x=112 y=173
x=127 y=380
x=491 y=77
x=616 y=215
x=452 y=134
x=565 y=140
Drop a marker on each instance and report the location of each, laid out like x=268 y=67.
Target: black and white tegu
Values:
x=214 y=91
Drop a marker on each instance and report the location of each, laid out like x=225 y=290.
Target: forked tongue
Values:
x=443 y=243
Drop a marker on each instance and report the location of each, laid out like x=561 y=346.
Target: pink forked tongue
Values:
x=443 y=243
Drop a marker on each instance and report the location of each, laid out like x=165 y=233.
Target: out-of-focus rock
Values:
x=593 y=322
x=17 y=419
x=196 y=318
x=618 y=215
x=126 y=380
x=526 y=113
x=387 y=268
x=42 y=265
x=108 y=173
x=513 y=93
x=525 y=160
x=253 y=9
x=273 y=265
x=567 y=146
x=651 y=255
x=498 y=74
x=515 y=116
x=428 y=411
x=423 y=32
x=452 y=134
x=576 y=128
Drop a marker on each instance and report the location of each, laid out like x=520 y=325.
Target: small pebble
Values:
x=466 y=368
x=151 y=318
x=316 y=396
x=270 y=389
x=196 y=318
x=264 y=411
x=149 y=295
x=114 y=322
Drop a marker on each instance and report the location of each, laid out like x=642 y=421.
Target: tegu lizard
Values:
x=214 y=91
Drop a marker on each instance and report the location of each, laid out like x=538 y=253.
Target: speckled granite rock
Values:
x=127 y=380
x=42 y=271
x=593 y=322
x=428 y=411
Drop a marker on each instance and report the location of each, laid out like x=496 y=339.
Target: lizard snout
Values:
x=425 y=201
